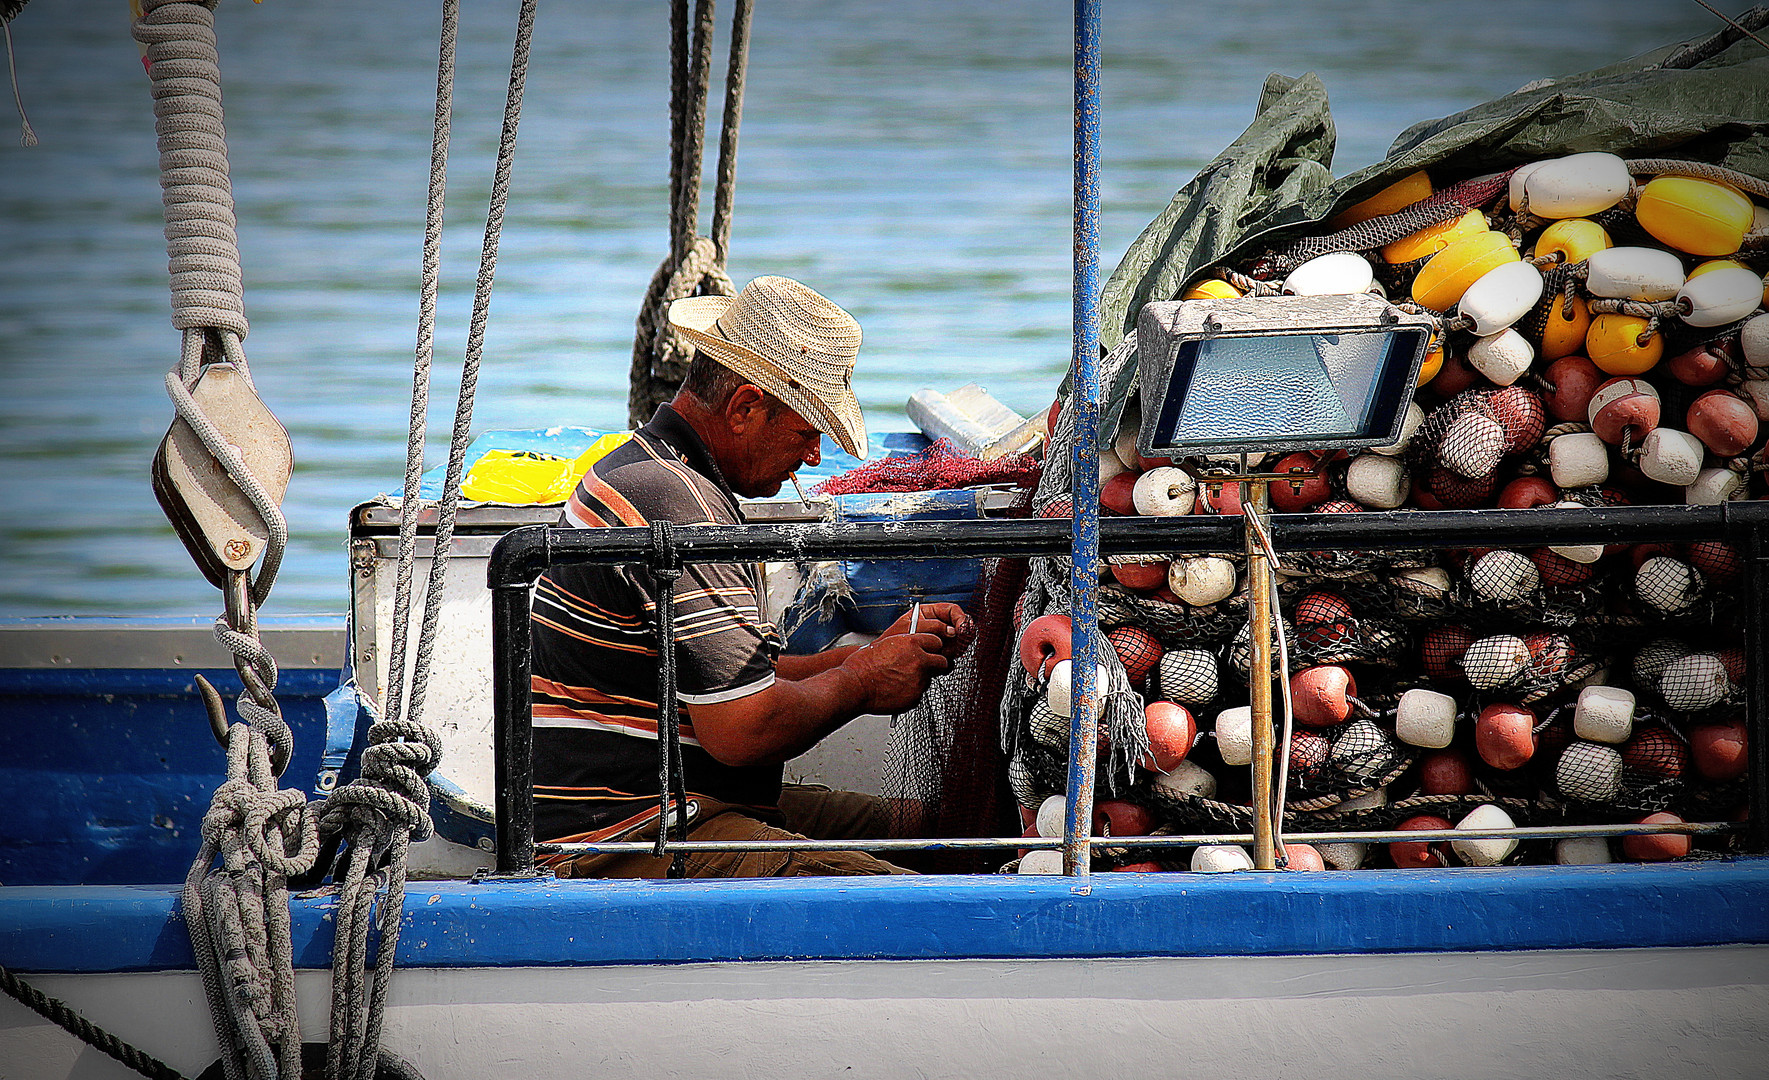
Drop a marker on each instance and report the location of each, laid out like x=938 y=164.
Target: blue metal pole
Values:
x=1084 y=403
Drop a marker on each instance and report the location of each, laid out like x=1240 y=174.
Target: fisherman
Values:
x=772 y=372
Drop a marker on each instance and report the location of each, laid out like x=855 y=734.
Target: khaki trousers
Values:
x=808 y=811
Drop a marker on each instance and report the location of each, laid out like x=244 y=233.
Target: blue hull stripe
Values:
x=504 y=924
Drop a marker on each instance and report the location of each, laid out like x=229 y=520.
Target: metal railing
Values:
x=525 y=553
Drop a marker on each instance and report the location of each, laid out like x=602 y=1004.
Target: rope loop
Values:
x=695 y=264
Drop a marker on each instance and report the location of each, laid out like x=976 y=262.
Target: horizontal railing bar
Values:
x=524 y=552
x=1036 y=843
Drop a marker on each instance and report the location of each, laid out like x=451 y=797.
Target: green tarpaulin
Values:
x=1275 y=181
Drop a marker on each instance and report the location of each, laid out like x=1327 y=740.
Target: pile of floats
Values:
x=1601 y=341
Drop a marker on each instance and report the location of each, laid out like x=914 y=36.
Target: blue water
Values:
x=910 y=159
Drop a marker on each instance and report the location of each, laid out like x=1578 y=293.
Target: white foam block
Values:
x=1485 y=851
x=1578 y=460
x=1425 y=718
x=1604 y=714
x=1234 y=735
x=1671 y=456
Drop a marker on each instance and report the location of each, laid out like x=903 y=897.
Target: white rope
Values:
x=200 y=230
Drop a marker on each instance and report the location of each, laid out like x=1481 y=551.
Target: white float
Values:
x=1634 y=273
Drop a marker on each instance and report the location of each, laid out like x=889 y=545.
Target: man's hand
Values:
x=893 y=672
x=955 y=629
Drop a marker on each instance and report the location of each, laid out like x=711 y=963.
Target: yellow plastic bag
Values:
x=520 y=477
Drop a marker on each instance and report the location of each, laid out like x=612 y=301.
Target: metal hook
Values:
x=216 y=709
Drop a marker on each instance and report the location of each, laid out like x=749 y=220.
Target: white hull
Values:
x=1651 y=1013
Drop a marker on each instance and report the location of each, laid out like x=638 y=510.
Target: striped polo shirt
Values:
x=595 y=645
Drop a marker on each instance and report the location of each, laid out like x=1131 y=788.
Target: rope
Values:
x=425 y=352
x=1248 y=286
x=198 y=197
x=695 y=265
x=388 y=807
x=1690 y=55
x=1638 y=309
x=728 y=125
x=1701 y=170
x=666 y=569
x=59 y=1013
x=236 y=913
x=27 y=137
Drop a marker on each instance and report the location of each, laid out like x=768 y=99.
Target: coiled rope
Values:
x=695 y=265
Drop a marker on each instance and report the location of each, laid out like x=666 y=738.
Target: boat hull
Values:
x=1656 y=971
x=1579 y=1012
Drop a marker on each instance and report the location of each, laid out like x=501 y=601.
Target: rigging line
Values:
x=58 y=1012
x=462 y=434
x=735 y=71
x=685 y=215
x=393 y=702
x=27 y=137
x=1734 y=23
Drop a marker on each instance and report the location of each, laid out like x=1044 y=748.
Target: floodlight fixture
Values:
x=1259 y=374
x=1268 y=373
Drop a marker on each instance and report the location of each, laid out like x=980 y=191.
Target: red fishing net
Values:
x=939 y=466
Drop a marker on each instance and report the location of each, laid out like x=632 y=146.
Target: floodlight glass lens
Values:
x=1279 y=389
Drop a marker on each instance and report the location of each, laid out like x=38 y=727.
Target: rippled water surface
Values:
x=910 y=159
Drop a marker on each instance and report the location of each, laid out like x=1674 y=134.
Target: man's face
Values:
x=772 y=445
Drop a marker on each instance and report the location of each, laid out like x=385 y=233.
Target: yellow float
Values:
x=1443 y=280
x=1433 y=362
x=1562 y=336
x=1700 y=217
x=1715 y=264
x=1211 y=289
x=1573 y=239
x=1434 y=238
x=1396 y=196
x=1613 y=344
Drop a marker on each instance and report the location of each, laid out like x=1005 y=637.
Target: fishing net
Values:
x=1360 y=757
x=938 y=466
x=1668 y=586
x=1189 y=676
x=1500 y=588
x=1390 y=815
x=1137 y=650
x=945 y=774
x=1326 y=632
x=1171 y=622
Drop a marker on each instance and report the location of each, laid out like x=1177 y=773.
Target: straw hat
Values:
x=791 y=342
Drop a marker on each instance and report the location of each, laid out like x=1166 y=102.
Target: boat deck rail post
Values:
x=524 y=553
x=1753 y=542
x=1084 y=403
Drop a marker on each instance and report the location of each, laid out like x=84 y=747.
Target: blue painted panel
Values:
x=546 y=922
x=105 y=774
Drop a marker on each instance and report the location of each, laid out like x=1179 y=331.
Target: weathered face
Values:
x=771 y=442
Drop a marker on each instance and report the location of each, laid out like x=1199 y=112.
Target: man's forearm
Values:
x=796 y=668
x=782 y=721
